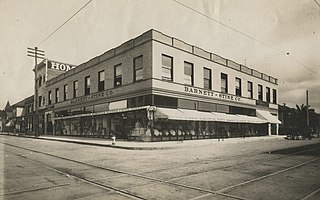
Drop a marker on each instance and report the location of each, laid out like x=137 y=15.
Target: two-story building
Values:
x=156 y=87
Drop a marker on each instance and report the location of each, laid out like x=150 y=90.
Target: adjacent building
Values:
x=156 y=87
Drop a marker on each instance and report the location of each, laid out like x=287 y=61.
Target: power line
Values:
x=317 y=3
x=246 y=35
x=64 y=23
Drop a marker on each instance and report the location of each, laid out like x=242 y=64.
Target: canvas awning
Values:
x=182 y=114
x=266 y=115
x=194 y=115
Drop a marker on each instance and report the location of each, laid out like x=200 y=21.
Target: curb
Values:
x=89 y=143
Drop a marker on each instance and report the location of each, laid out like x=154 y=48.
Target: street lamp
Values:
x=36 y=53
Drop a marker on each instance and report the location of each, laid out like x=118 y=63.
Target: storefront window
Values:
x=204 y=106
x=187 y=104
x=163 y=101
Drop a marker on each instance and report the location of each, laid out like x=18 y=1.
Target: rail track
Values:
x=152 y=180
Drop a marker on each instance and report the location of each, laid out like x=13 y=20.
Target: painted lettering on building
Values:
x=212 y=94
x=59 y=66
x=92 y=97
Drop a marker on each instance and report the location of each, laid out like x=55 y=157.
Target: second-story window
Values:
x=101 y=81
x=167 y=68
x=118 y=75
x=224 y=83
x=87 y=85
x=268 y=94
x=40 y=101
x=57 y=95
x=250 y=90
x=65 y=92
x=75 y=89
x=50 y=97
x=274 y=96
x=238 y=87
x=260 y=94
x=138 y=68
x=40 y=80
x=188 y=73
x=207 y=78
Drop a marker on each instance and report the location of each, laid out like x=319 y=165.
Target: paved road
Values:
x=260 y=169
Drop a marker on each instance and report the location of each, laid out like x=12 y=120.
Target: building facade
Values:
x=46 y=70
x=156 y=87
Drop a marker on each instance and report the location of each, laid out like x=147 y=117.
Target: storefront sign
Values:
x=213 y=94
x=59 y=66
x=92 y=97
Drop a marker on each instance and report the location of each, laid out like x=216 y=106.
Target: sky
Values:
x=278 y=37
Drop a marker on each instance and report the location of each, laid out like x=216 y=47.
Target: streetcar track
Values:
x=218 y=192
x=32 y=190
x=109 y=188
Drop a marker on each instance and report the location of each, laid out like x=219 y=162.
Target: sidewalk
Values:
x=136 y=145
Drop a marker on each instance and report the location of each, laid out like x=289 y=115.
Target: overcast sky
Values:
x=289 y=31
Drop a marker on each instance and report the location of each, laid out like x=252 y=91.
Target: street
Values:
x=235 y=169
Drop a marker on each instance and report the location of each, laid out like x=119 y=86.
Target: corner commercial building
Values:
x=155 y=87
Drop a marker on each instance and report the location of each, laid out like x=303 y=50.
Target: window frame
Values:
x=49 y=97
x=224 y=88
x=274 y=96
x=260 y=92
x=188 y=64
x=268 y=94
x=65 y=92
x=250 y=89
x=238 y=87
x=75 y=89
x=208 y=79
x=136 y=70
x=167 y=68
x=101 y=83
x=87 y=84
x=57 y=95
x=117 y=77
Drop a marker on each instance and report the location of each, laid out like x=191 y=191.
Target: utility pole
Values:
x=36 y=53
x=307 y=102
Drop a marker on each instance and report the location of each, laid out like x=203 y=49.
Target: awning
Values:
x=253 y=120
x=266 y=115
x=183 y=114
x=223 y=117
x=194 y=115
x=10 y=123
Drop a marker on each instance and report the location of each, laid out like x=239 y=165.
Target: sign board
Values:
x=92 y=97
x=59 y=66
